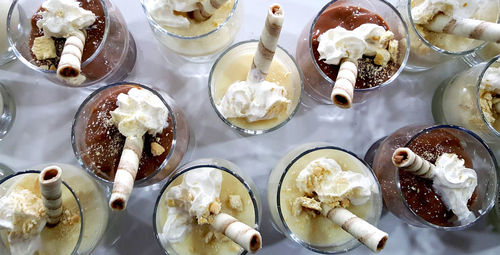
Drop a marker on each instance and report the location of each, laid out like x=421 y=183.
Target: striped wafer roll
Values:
x=343 y=90
x=71 y=57
x=409 y=161
x=50 y=186
x=267 y=44
x=470 y=28
x=366 y=233
x=247 y=237
x=207 y=8
x=126 y=172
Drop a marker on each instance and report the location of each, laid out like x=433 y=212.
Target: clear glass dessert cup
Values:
x=276 y=183
x=423 y=54
x=220 y=164
x=316 y=83
x=180 y=134
x=111 y=62
x=457 y=102
x=7 y=111
x=200 y=48
x=6 y=186
x=294 y=94
x=6 y=53
x=484 y=163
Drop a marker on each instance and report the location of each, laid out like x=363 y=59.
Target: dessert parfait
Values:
x=194 y=29
x=39 y=214
x=209 y=207
x=255 y=87
x=440 y=177
x=7 y=110
x=471 y=99
x=433 y=41
x=351 y=48
x=73 y=42
x=127 y=133
x=326 y=199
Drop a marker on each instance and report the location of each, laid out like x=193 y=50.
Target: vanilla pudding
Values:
x=233 y=67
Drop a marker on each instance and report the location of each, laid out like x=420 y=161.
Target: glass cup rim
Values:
x=435 y=48
x=485 y=212
x=194 y=37
x=496 y=59
x=244 y=130
x=323 y=146
x=37 y=68
x=80 y=236
x=197 y=164
x=388 y=81
x=95 y=93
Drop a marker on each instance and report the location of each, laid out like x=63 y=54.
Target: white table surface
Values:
x=41 y=134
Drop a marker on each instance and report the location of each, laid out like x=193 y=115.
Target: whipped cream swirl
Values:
x=325 y=177
x=338 y=43
x=139 y=111
x=192 y=198
x=254 y=101
x=23 y=214
x=162 y=11
x=455 y=184
x=491 y=80
x=64 y=18
x=425 y=12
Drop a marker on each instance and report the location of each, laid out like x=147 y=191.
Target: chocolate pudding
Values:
x=95 y=34
x=417 y=191
x=351 y=17
x=104 y=143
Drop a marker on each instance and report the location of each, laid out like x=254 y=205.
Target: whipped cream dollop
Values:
x=325 y=177
x=455 y=184
x=254 y=101
x=64 y=18
x=163 y=11
x=23 y=214
x=199 y=190
x=425 y=12
x=338 y=43
x=491 y=80
x=139 y=111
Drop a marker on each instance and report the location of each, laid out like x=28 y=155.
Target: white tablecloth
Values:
x=41 y=134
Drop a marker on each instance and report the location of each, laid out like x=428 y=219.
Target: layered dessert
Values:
x=445 y=195
x=187 y=211
x=423 y=13
x=352 y=32
x=25 y=217
x=489 y=96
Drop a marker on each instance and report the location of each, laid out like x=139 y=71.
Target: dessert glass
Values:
x=456 y=102
x=111 y=62
x=482 y=158
x=199 y=48
x=8 y=183
x=180 y=133
x=223 y=64
x=489 y=51
x=423 y=54
x=7 y=111
x=6 y=54
x=92 y=198
x=304 y=154
x=221 y=164
x=316 y=83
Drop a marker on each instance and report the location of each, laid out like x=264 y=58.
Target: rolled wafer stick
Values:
x=207 y=8
x=50 y=187
x=470 y=28
x=126 y=172
x=409 y=161
x=267 y=44
x=366 y=233
x=71 y=57
x=242 y=234
x=343 y=90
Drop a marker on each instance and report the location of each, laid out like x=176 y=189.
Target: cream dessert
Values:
x=25 y=216
x=190 y=205
x=4 y=10
x=489 y=96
